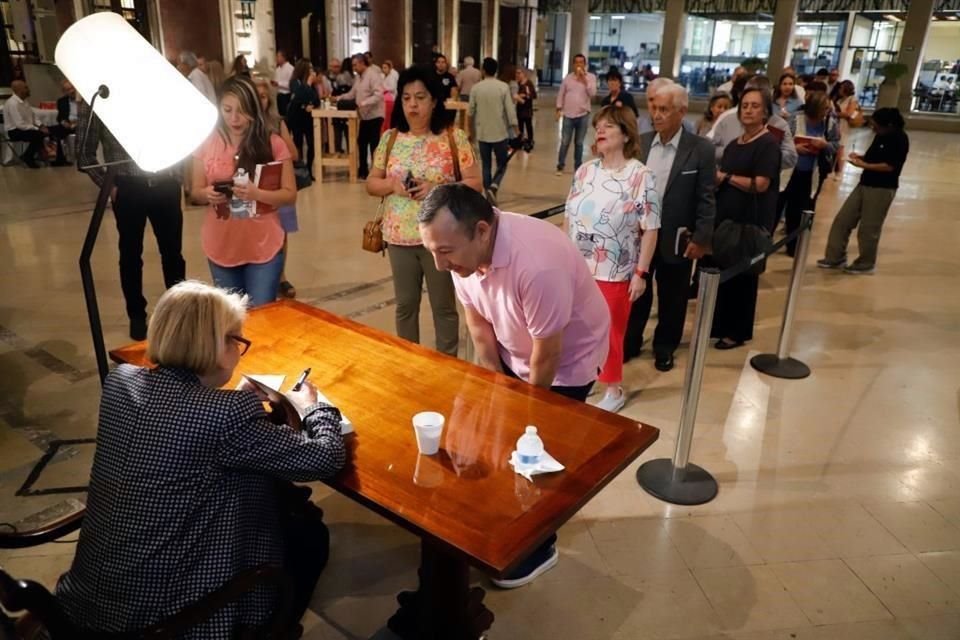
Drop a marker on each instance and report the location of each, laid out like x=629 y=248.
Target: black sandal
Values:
x=287 y=290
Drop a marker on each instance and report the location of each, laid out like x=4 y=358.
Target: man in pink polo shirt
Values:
x=533 y=309
x=573 y=106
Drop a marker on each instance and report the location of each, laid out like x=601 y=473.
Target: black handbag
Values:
x=736 y=243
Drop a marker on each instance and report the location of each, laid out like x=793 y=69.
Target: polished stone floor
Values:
x=839 y=508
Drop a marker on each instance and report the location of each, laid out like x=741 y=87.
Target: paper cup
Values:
x=428 y=427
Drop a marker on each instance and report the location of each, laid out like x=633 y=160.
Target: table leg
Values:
x=331 y=138
x=444 y=607
x=317 y=167
x=354 y=145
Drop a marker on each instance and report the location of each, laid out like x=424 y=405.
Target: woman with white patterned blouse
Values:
x=190 y=482
x=612 y=215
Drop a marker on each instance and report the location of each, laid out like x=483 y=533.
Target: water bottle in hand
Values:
x=529 y=448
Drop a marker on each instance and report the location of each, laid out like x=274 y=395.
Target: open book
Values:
x=291 y=415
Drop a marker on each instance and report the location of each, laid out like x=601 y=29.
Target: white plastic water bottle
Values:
x=529 y=448
x=238 y=207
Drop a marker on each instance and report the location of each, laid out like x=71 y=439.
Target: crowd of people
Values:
x=559 y=308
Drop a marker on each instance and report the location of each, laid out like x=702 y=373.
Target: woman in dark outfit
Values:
x=303 y=97
x=747 y=187
x=617 y=95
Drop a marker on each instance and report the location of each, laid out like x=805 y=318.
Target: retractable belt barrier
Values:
x=677 y=480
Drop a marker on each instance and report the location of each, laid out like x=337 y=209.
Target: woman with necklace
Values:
x=747 y=187
x=421 y=151
x=612 y=215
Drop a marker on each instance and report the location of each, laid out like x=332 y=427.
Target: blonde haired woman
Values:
x=188 y=485
x=612 y=215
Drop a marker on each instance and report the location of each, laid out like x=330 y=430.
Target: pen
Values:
x=301 y=379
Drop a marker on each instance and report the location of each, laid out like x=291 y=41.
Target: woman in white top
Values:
x=390 y=77
x=612 y=215
x=848 y=108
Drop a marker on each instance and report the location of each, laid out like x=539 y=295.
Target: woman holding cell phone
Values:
x=245 y=252
x=421 y=151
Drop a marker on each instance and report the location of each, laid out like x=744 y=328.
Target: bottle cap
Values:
x=532 y=430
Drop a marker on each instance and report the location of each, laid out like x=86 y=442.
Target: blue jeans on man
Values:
x=500 y=150
x=575 y=128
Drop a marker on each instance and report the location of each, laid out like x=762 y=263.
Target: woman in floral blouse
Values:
x=612 y=215
x=421 y=151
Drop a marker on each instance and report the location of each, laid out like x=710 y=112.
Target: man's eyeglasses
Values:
x=242 y=343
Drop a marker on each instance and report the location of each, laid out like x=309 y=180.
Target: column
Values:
x=491 y=28
x=671 y=44
x=338 y=29
x=846 y=54
x=579 y=26
x=781 y=42
x=914 y=38
x=265 y=40
x=449 y=11
x=388 y=31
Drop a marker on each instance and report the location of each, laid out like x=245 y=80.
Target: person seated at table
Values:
x=532 y=306
x=191 y=482
x=22 y=125
x=67 y=107
x=245 y=251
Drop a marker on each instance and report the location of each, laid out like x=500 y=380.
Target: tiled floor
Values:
x=839 y=509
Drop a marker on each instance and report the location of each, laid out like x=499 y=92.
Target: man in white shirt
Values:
x=367 y=91
x=21 y=123
x=188 y=59
x=281 y=80
x=727 y=87
x=468 y=77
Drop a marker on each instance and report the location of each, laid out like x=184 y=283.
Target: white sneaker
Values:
x=612 y=402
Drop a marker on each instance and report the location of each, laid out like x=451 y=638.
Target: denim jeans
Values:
x=259 y=281
x=575 y=128
x=497 y=148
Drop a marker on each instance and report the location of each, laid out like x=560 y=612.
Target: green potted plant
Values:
x=888 y=94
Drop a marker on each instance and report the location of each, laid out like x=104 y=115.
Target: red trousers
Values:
x=617 y=295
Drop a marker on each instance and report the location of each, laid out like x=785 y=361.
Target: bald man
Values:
x=22 y=125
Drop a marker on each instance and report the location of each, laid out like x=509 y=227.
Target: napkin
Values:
x=547 y=464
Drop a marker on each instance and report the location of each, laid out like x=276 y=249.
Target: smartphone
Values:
x=224 y=186
x=409 y=182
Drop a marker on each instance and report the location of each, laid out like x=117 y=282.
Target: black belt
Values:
x=145 y=181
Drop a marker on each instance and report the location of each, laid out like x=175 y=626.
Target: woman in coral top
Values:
x=245 y=251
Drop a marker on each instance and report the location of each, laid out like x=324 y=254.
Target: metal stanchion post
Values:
x=678 y=480
x=780 y=364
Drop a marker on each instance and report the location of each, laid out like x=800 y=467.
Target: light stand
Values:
x=90 y=241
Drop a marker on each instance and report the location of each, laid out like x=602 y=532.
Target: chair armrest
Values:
x=47 y=531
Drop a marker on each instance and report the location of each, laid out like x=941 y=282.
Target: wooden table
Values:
x=463 y=115
x=327 y=157
x=465 y=503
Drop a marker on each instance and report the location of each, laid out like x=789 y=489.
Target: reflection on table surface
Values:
x=467 y=496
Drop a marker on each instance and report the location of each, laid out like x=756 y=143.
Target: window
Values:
x=937 y=82
x=629 y=42
x=713 y=48
x=817 y=45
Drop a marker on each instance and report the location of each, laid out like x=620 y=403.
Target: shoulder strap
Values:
x=393 y=138
x=456 y=155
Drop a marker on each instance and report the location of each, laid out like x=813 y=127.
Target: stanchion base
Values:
x=697 y=487
x=771 y=365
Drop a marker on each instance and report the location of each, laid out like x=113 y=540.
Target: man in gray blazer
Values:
x=684 y=168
